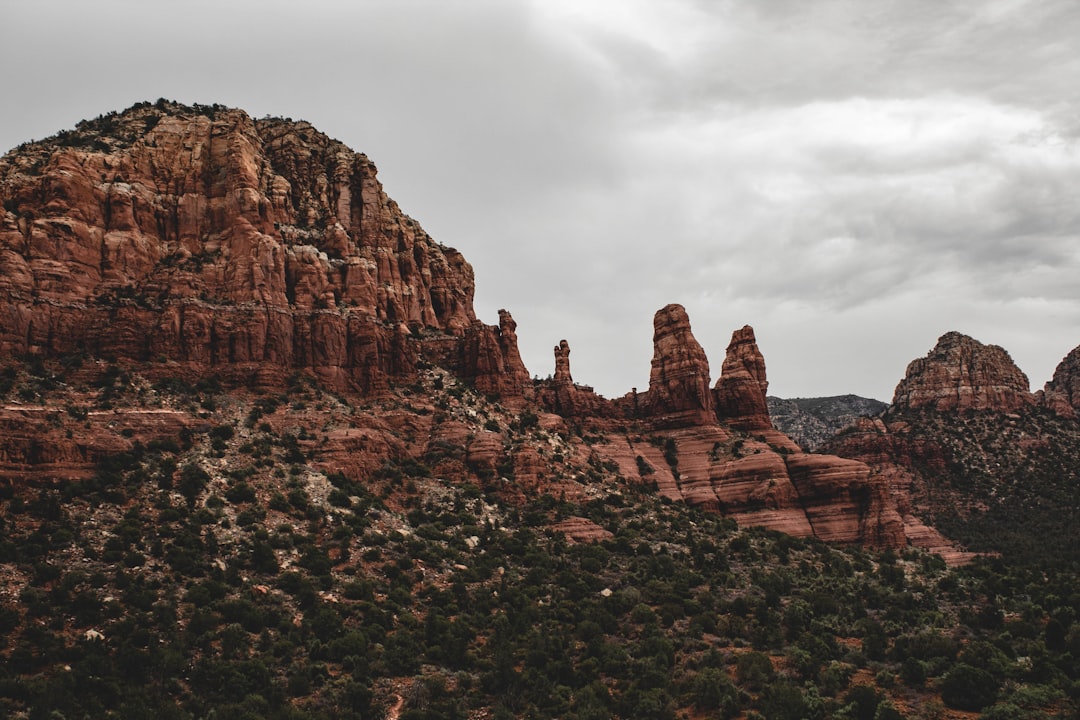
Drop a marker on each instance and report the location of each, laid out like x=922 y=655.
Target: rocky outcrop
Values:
x=678 y=394
x=756 y=490
x=492 y=361
x=562 y=396
x=843 y=503
x=739 y=395
x=206 y=241
x=1062 y=393
x=961 y=373
x=581 y=530
x=562 y=364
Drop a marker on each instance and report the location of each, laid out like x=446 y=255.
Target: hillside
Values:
x=219 y=567
x=977 y=455
x=260 y=459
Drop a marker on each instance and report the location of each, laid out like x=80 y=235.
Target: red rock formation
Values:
x=194 y=241
x=842 y=502
x=756 y=490
x=678 y=394
x=1062 y=393
x=579 y=529
x=492 y=360
x=961 y=373
x=562 y=364
x=739 y=395
x=484 y=452
x=225 y=244
x=39 y=445
x=561 y=395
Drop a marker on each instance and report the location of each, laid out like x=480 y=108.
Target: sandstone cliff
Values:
x=205 y=241
x=961 y=373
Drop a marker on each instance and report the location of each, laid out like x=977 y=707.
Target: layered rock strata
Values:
x=678 y=393
x=740 y=393
x=961 y=373
x=205 y=241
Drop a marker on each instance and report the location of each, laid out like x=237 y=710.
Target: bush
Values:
x=754 y=670
x=783 y=700
x=193 y=480
x=968 y=688
x=712 y=690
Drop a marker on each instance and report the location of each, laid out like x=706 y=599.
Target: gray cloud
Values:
x=851 y=178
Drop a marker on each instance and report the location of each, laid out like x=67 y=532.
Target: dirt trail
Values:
x=394 y=712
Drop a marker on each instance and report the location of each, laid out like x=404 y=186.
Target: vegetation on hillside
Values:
x=1007 y=484
x=225 y=574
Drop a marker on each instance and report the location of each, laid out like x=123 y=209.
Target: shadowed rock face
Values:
x=1062 y=393
x=961 y=373
x=208 y=240
x=740 y=393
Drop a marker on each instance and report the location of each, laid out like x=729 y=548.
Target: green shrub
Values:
x=968 y=688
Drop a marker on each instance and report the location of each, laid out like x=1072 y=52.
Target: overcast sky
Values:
x=853 y=178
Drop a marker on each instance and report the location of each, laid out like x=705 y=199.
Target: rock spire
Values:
x=740 y=392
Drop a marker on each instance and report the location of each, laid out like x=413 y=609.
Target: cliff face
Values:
x=961 y=373
x=740 y=392
x=679 y=375
x=206 y=241
x=1062 y=393
x=174 y=245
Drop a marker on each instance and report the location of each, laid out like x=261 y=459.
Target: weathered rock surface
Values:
x=739 y=395
x=579 y=529
x=678 y=394
x=843 y=504
x=1062 y=392
x=218 y=243
x=961 y=373
x=35 y=446
x=756 y=490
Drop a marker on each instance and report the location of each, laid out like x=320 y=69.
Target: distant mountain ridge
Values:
x=812 y=421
